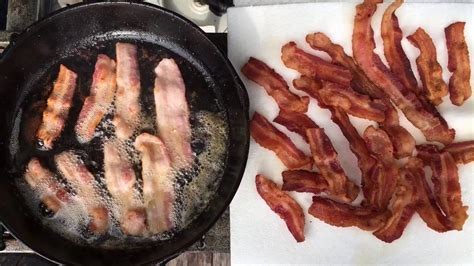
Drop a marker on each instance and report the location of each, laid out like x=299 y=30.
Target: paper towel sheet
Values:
x=258 y=235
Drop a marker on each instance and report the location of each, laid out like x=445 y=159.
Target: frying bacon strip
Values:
x=401 y=210
x=158 y=181
x=458 y=63
x=99 y=101
x=462 y=152
x=313 y=66
x=403 y=141
x=430 y=70
x=392 y=42
x=120 y=181
x=325 y=158
x=447 y=188
x=172 y=112
x=127 y=104
x=345 y=215
x=57 y=109
x=275 y=85
x=352 y=102
x=432 y=125
x=386 y=173
x=285 y=206
x=425 y=203
x=295 y=122
x=304 y=181
x=269 y=137
x=73 y=169
x=42 y=181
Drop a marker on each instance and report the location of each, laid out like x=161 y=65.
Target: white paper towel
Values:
x=259 y=236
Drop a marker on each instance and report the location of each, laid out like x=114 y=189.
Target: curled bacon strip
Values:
x=426 y=152
x=462 y=152
x=295 y=122
x=325 y=157
x=458 y=63
x=284 y=205
x=430 y=70
x=397 y=60
x=275 y=85
x=403 y=142
x=57 y=109
x=313 y=66
x=304 y=181
x=432 y=125
x=425 y=203
x=271 y=138
x=352 y=102
x=447 y=188
x=345 y=215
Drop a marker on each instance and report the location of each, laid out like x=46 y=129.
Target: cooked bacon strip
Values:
x=447 y=188
x=158 y=181
x=403 y=141
x=458 y=63
x=311 y=87
x=462 y=152
x=392 y=43
x=430 y=70
x=345 y=215
x=73 y=169
x=313 y=66
x=275 y=85
x=42 y=181
x=325 y=158
x=57 y=109
x=360 y=82
x=269 y=137
x=282 y=204
x=432 y=125
x=401 y=210
x=99 y=101
x=304 y=181
x=425 y=203
x=172 y=113
x=120 y=181
x=352 y=102
x=127 y=105
x=426 y=152
x=295 y=122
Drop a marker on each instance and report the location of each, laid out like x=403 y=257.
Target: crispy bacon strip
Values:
x=57 y=109
x=42 y=181
x=403 y=142
x=158 y=181
x=325 y=157
x=426 y=152
x=295 y=122
x=401 y=210
x=120 y=181
x=425 y=203
x=269 y=137
x=447 y=188
x=99 y=101
x=282 y=204
x=462 y=152
x=73 y=169
x=392 y=42
x=352 y=102
x=430 y=70
x=127 y=103
x=304 y=181
x=313 y=66
x=432 y=125
x=458 y=63
x=345 y=215
x=275 y=85
x=172 y=112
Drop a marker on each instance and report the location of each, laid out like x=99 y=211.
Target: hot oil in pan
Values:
x=194 y=186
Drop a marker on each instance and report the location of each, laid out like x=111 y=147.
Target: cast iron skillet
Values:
x=75 y=35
